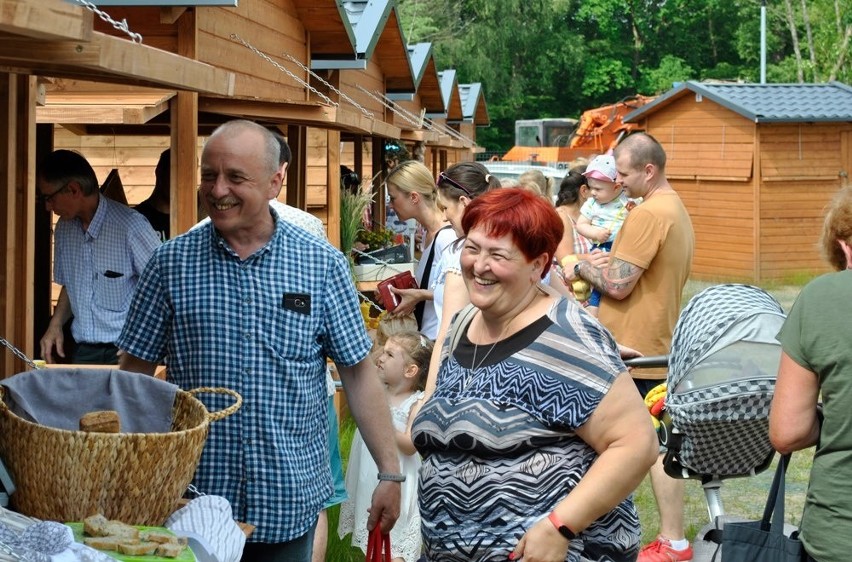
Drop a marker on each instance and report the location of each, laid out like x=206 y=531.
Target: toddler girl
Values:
x=402 y=367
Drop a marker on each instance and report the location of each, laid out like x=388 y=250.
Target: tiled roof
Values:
x=766 y=103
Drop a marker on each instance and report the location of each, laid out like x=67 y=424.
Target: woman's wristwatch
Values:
x=561 y=527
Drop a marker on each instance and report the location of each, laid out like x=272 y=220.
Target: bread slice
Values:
x=119 y=529
x=170 y=550
x=137 y=549
x=93 y=525
x=163 y=537
x=102 y=543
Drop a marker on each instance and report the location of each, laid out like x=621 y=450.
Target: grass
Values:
x=741 y=497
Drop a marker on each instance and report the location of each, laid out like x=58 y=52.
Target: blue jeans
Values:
x=297 y=550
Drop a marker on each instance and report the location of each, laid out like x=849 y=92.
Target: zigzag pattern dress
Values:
x=498 y=442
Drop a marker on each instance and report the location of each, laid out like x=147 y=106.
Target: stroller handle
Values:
x=654 y=361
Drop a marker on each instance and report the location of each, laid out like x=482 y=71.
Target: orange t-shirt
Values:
x=658 y=237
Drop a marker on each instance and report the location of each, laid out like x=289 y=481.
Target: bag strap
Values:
x=773 y=513
x=378 y=546
x=420 y=307
x=461 y=322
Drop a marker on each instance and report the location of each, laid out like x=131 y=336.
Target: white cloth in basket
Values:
x=59 y=397
x=211 y=518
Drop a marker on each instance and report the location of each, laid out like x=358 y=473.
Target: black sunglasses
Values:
x=44 y=199
x=442 y=177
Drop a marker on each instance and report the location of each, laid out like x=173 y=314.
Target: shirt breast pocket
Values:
x=112 y=291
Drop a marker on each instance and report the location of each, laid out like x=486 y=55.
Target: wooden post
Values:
x=297 y=138
x=333 y=191
x=184 y=139
x=17 y=209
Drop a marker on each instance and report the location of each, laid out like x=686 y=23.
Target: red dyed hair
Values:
x=532 y=221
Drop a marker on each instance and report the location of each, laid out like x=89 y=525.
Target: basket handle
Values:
x=221 y=414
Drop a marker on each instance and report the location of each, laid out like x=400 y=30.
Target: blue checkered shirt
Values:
x=262 y=326
x=101 y=266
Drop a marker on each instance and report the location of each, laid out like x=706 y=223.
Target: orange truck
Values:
x=560 y=141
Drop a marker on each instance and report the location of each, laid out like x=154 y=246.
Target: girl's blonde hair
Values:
x=535 y=180
x=419 y=349
x=414 y=177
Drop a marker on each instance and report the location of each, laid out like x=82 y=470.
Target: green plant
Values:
x=352 y=207
x=375 y=239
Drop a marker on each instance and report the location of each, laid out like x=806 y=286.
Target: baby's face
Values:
x=603 y=191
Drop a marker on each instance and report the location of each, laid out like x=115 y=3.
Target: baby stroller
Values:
x=722 y=367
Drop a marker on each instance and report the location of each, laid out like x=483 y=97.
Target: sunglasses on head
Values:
x=442 y=177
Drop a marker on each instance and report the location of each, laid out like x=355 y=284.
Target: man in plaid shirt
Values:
x=252 y=303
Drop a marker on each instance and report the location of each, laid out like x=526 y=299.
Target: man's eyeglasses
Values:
x=442 y=177
x=44 y=199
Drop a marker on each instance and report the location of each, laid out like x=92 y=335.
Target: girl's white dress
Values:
x=361 y=480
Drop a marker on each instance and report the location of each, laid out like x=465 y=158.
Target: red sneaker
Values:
x=661 y=551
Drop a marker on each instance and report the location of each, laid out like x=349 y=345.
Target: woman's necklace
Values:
x=474 y=366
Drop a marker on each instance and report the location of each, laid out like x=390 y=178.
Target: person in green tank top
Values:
x=817 y=359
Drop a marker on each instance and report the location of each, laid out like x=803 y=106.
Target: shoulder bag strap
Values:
x=420 y=307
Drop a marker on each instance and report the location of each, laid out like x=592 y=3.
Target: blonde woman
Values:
x=411 y=190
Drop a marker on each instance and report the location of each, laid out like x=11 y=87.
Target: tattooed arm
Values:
x=617 y=280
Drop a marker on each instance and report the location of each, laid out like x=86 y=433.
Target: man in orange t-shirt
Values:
x=642 y=285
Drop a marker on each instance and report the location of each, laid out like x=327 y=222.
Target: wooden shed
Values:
x=755 y=165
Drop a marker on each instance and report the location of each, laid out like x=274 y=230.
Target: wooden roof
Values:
x=451 y=97
x=765 y=103
x=473 y=104
x=426 y=81
x=53 y=38
x=331 y=33
x=378 y=33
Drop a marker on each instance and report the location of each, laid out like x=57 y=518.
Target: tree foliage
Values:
x=556 y=58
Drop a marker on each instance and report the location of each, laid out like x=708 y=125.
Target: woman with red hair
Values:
x=534 y=437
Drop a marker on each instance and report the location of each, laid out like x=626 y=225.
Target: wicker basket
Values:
x=136 y=478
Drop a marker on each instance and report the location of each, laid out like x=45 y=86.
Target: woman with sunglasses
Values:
x=460 y=184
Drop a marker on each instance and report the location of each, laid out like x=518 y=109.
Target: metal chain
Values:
x=333 y=89
x=121 y=26
x=18 y=353
x=389 y=106
x=267 y=58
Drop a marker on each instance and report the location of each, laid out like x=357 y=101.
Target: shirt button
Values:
x=248 y=300
x=248 y=336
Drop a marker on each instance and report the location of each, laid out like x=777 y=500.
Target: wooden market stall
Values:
x=166 y=78
x=756 y=165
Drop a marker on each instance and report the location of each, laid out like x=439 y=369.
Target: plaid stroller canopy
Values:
x=722 y=367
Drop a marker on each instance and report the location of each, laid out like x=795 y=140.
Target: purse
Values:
x=378 y=546
x=404 y=280
x=764 y=540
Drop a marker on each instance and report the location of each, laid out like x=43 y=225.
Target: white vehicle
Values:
x=513 y=170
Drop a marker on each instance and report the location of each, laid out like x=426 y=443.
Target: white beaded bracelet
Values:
x=389 y=477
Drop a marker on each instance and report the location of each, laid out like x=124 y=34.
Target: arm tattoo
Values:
x=617 y=280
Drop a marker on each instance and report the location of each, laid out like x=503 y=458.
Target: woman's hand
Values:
x=408 y=299
x=542 y=543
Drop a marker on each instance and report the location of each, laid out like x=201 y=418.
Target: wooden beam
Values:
x=92 y=114
x=113 y=56
x=46 y=19
x=333 y=191
x=304 y=114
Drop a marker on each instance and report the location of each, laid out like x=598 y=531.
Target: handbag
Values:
x=764 y=540
x=378 y=546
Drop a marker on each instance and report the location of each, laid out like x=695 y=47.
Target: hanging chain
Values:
x=333 y=89
x=18 y=353
x=387 y=105
x=121 y=26
x=268 y=59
